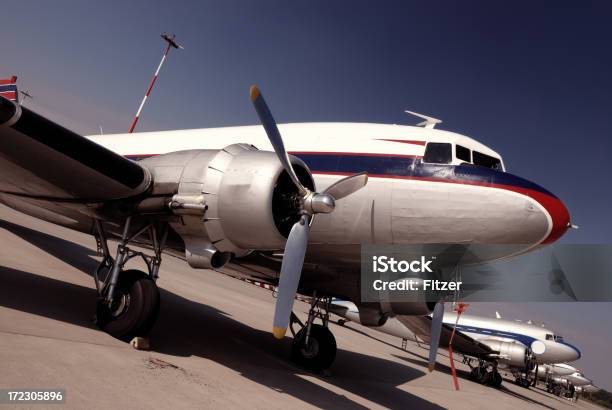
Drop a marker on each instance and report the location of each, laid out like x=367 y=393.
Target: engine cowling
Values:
x=513 y=354
x=409 y=308
x=376 y=314
x=413 y=303
x=229 y=201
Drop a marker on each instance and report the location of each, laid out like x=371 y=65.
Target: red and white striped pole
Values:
x=171 y=43
x=459 y=309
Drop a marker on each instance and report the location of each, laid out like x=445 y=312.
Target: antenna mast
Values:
x=171 y=44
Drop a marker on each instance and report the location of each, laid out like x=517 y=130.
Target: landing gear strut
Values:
x=128 y=301
x=522 y=378
x=523 y=382
x=314 y=345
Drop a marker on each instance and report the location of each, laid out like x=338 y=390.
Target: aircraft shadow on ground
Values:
x=465 y=375
x=188 y=328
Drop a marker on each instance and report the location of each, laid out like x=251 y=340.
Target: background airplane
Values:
x=494 y=343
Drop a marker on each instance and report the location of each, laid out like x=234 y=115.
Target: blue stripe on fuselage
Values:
x=397 y=166
x=405 y=167
x=524 y=339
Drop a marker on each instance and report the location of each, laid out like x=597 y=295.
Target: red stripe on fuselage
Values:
x=353 y=154
x=413 y=142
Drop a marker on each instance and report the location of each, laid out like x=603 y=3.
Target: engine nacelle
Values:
x=513 y=354
x=370 y=315
x=408 y=308
x=413 y=303
x=376 y=314
x=230 y=201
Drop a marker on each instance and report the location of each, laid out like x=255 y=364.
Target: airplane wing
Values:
x=421 y=326
x=43 y=160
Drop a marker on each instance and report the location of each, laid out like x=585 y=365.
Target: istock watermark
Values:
x=486 y=273
x=384 y=264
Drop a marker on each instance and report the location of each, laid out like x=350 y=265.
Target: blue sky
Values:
x=531 y=79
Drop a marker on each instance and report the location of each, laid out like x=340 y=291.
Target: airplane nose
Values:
x=559 y=215
x=572 y=352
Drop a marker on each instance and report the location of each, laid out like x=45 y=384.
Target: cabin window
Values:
x=438 y=153
x=486 y=161
x=463 y=153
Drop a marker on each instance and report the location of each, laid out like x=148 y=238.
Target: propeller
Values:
x=436 y=329
x=311 y=203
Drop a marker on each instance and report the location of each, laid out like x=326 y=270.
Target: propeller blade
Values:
x=291 y=270
x=269 y=124
x=436 y=329
x=347 y=186
x=311 y=204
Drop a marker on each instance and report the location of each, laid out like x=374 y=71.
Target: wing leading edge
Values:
x=41 y=159
x=421 y=326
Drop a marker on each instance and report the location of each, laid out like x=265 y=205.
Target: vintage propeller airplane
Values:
x=521 y=348
x=294 y=217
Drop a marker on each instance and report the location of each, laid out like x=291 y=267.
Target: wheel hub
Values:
x=310 y=349
x=120 y=304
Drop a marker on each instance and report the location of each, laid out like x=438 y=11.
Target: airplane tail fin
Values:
x=497 y=315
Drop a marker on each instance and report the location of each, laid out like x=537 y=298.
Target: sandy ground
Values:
x=211 y=347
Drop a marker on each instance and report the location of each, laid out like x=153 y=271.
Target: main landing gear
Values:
x=523 y=382
x=522 y=378
x=485 y=373
x=128 y=300
x=314 y=345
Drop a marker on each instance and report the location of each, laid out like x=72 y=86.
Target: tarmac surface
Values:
x=211 y=347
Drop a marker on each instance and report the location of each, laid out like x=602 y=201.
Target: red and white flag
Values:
x=8 y=89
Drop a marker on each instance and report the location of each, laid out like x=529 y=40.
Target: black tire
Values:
x=134 y=310
x=320 y=352
x=475 y=374
x=485 y=377
x=496 y=380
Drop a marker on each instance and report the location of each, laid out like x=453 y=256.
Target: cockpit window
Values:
x=438 y=153
x=463 y=153
x=487 y=161
x=558 y=338
x=549 y=336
